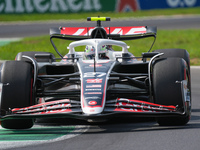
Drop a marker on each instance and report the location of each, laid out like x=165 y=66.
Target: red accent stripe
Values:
x=148 y=103
x=42 y=104
x=84 y=31
x=133 y=110
x=54 y=111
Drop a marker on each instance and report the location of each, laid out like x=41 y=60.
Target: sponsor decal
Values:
x=92 y=89
x=53 y=111
x=46 y=6
x=77 y=6
x=181 y=3
x=93 y=93
x=128 y=30
x=83 y=31
x=93 y=86
x=163 y=4
x=144 y=102
x=41 y=109
x=141 y=106
x=94 y=80
x=92 y=102
x=137 y=106
x=93 y=97
x=132 y=110
x=96 y=65
x=44 y=105
x=94 y=74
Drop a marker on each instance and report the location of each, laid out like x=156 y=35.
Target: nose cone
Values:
x=93 y=85
x=92 y=110
x=93 y=95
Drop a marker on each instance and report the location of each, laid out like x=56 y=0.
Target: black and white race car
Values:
x=102 y=81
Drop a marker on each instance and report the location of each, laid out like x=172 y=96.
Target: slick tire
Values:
x=16 y=77
x=180 y=53
x=166 y=90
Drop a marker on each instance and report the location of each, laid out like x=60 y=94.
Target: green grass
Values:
x=186 y=39
x=59 y=16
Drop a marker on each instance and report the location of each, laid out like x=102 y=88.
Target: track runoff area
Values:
x=39 y=134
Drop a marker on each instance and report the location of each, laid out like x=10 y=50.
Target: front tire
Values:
x=16 y=77
x=179 y=53
x=167 y=89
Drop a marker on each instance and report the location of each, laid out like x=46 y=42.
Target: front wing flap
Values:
x=71 y=109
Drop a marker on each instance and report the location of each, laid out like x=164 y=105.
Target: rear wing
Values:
x=116 y=33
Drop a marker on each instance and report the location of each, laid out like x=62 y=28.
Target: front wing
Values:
x=72 y=109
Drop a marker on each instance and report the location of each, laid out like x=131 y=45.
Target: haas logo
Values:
x=92 y=102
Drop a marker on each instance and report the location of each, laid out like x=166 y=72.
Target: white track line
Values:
x=79 y=129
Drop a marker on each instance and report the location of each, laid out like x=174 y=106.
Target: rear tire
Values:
x=16 y=77
x=166 y=91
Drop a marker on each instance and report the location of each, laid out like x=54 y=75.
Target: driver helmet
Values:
x=103 y=52
x=90 y=52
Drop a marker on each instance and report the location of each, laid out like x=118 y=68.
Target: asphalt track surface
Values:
x=26 y=29
x=117 y=134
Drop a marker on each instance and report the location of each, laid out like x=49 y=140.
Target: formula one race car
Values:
x=98 y=82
